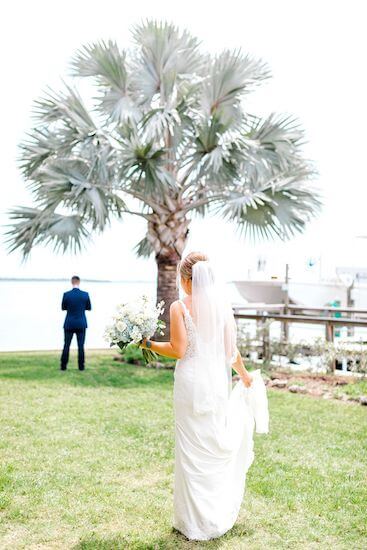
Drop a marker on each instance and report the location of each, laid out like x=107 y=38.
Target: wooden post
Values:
x=266 y=341
x=350 y=303
x=329 y=332
x=285 y=326
x=329 y=336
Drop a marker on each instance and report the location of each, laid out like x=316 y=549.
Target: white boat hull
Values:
x=314 y=294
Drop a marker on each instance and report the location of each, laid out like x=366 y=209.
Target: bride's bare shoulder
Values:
x=176 y=310
x=176 y=306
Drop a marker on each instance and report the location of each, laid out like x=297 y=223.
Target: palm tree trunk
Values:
x=166 y=284
x=167 y=236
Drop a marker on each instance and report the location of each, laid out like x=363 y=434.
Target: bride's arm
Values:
x=241 y=370
x=230 y=337
x=176 y=347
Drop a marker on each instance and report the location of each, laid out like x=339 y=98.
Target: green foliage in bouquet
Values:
x=148 y=355
x=133 y=355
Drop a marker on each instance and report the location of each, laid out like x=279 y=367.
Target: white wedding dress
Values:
x=213 y=450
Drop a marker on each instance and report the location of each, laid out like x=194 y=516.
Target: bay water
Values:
x=31 y=317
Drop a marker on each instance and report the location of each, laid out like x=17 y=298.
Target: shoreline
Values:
x=46 y=351
x=67 y=280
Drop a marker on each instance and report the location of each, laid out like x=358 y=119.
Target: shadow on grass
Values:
x=101 y=370
x=171 y=541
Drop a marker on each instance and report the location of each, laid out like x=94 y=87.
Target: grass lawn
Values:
x=87 y=463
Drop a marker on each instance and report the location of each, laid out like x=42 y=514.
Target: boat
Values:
x=311 y=294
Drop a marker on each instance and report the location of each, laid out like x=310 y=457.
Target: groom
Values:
x=75 y=302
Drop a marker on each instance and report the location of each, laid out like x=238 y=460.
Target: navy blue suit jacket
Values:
x=75 y=302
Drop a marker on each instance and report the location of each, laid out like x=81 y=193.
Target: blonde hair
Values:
x=184 y=268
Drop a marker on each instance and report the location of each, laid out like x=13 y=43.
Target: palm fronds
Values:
x=143 y=166
x=64 y=107
x=144 y=248
x=271 y=144
x=165 y=57
x=168 y=129
x=230 y=76
x=277 y=208
x=104 y=61
x=107 y=64
x=40 y=144
x=71 y=183
x=33 y=226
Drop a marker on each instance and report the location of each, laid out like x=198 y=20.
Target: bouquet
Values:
x=135 y=321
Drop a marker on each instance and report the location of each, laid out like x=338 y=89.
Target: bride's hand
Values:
x=246 y=379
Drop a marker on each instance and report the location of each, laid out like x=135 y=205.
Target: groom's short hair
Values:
x=75 y=279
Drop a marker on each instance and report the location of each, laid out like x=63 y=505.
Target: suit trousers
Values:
x=68 y=336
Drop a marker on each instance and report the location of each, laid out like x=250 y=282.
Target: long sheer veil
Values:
x=215 y=340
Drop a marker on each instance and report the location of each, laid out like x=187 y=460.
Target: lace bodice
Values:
x=190 y=329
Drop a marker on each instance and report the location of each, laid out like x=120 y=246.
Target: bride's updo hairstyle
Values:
x=184 y=268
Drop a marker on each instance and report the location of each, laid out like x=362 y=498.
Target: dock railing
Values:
x=347 y=316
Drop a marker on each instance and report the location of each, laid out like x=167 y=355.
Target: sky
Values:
x=316 y=53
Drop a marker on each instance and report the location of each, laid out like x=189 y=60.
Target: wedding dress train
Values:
x=213 y=450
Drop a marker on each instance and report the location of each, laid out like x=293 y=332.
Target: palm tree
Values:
x=167 y=136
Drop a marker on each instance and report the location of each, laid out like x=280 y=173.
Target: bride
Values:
x=214 y=423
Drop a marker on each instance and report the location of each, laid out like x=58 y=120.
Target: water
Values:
x=31 y=316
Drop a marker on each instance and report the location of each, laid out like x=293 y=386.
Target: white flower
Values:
x=135 y=320
x=121 y=326
x=136 y=335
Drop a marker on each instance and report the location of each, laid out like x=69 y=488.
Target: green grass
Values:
x=87 y=463
x=356 y=389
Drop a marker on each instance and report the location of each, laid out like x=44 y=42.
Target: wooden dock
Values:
x=347 y=316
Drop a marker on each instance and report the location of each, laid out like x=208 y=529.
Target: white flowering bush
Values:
x=134 y=321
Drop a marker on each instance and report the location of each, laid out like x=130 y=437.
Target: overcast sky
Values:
x=316 y=52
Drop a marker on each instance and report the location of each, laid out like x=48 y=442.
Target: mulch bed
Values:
x=317 y=385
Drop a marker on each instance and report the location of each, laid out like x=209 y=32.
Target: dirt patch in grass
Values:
x=326 y=386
